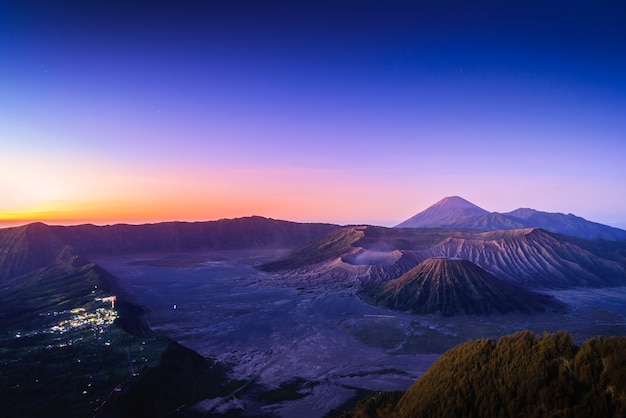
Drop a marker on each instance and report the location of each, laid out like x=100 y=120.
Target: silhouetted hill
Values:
x=63 y=346
x=225 y=234
x=452 y=287
x=182 y=378
x=65 y=349
x=27 y=248
x=566 y=224
x=457 y=213
x=61 y=285
x=519 y=376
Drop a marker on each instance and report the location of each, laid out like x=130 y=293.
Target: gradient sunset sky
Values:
x=332 y=111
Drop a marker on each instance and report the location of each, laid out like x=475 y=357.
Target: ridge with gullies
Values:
x=453 y=286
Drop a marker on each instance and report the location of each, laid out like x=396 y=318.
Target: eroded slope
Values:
x=452 y=287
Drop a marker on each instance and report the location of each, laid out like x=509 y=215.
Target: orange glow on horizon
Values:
x=150 y=194
x=342 y=206
x=67 y=193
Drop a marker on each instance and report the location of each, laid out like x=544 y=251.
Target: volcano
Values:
x=448 y=211
x=452 y=286
x=457 y=213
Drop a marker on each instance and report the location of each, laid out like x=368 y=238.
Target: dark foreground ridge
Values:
x=71 y=346
x=521 y=375
x=454 y=287
x=181 y=379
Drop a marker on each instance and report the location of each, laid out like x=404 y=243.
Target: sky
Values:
x=347 y=112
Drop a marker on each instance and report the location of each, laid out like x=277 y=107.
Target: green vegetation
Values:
x=519 y=376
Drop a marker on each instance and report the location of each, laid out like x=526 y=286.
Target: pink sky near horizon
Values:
x=68 y=192
x=310 y=113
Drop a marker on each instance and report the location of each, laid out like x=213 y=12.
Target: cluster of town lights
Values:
x=80 y=318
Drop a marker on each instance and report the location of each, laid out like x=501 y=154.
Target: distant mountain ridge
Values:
x=30 y=247
x=454 y=212
x=331 y=255
x=27 y=248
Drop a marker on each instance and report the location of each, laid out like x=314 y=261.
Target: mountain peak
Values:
x=456 y=202
x=454 y=212
x=446 y=212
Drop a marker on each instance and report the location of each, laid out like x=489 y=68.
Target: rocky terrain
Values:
x=529 y=257
x=452 y=286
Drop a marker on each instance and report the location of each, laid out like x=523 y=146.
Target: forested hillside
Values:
x=521 y=375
